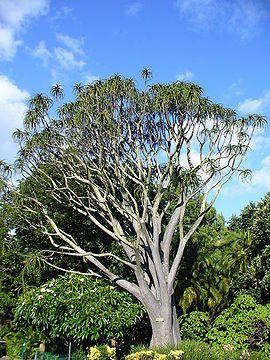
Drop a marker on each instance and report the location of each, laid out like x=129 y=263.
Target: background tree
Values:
x=208 y=278
x=10 y=259
x=117 y=156
x=255 y=279
x=245 y=220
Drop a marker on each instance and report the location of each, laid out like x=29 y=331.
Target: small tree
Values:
x=125 y=159
x=80 y=308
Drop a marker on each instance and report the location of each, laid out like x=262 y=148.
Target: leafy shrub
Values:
x=238 y=325
x=194 y=325
x=15 y=337
x=81 y=308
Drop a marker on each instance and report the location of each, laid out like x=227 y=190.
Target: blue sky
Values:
x=223 y=45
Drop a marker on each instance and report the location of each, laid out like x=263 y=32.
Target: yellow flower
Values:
x=111 y=352
x=176 y=354
x=158 y=356
x=141 y=355
x=93 y=353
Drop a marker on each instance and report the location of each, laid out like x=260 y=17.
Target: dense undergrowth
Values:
x=197 y=350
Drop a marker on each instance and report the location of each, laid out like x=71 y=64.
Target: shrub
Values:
x=15 y=337
x=81 y=308
x=194 y=325
x=240 y=324
x=101 y=352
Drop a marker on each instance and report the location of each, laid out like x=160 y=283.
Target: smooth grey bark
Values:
x=164 y=323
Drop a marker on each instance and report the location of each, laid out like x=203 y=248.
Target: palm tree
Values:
x=57 y=92
x=78 y=88
x=146 y=74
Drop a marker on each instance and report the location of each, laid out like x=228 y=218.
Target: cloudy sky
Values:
x=223 y=45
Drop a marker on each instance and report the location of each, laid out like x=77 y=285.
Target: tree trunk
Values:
x=164 y=323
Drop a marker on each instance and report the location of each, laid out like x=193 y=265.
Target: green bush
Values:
x=81 y=308
x=15 y=337
x=194 y=325
x=245 y=324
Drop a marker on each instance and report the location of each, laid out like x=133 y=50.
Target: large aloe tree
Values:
x=125 y=158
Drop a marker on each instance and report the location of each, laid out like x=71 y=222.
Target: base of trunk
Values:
x=165 y=329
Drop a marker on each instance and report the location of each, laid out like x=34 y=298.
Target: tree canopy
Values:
x=125 y=159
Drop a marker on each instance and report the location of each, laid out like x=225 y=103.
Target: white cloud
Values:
x=200 y=11
x=133 y=8
x=67 y=59
x=188 y=75
x=16 y=12
x=234 y=90
x=241 y=17
x=89 y=78
x=14 y=18
x=8 y=45
x=10 y=93
x=61 y=58
x=75 y=45
x=12 y=109
x=246 y=16
x=42 y=53
x=194 y=157
x=250 y=105
x=260 y=142
x=259 y=182
x=255 y=105
x=62 y=13
x=261 y=177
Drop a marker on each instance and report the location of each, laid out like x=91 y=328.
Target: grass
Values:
x=196 y=350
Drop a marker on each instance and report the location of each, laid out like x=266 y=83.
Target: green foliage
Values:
x=15 y=337
x=194 y=325
x=205 y=269
x=217 y=263
x=266 y=351
x=244 y=220
x=239 y=325
x=21 y=260
x=195 y=350
x=79 y=307
x=203 y=281
x=255 y=280
x=10 y=269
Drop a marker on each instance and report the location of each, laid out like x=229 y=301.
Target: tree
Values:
x=244 y=220
x=255 y=279
x=123 y=158
x=9 y=265
x=208 y=280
